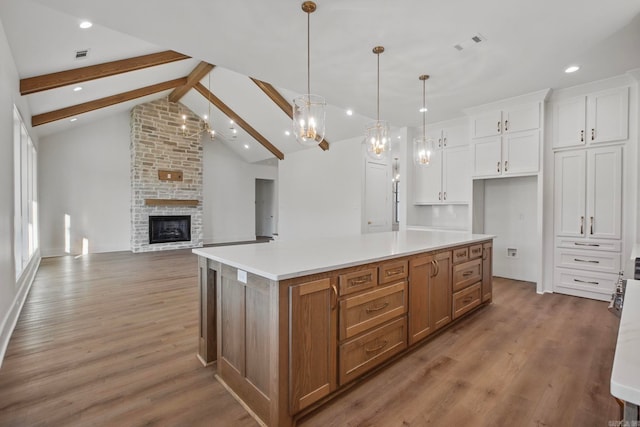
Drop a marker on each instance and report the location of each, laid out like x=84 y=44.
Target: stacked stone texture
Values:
x=158 y=143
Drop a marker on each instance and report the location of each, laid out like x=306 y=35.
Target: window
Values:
x=25 y=195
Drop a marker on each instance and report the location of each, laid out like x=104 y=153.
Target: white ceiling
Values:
x=528 y=45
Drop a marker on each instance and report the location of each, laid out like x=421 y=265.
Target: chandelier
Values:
x=423 y=147
x=204 y=125
x=308 y=109
x=377 y=133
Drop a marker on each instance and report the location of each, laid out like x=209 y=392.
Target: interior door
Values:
x=377 y=203
x=265 y=207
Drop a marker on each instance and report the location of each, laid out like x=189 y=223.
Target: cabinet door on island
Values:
x=312 y=342
x=429 y=294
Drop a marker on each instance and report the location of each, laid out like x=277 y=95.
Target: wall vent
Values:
x=81 y=54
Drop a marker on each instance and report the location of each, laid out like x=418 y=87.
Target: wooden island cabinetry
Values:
x=284 y=343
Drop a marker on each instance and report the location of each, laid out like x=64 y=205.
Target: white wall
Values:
x=510 y=212
x=320 y=191
x=85 y=173
x=229 y=194
x=12 y=293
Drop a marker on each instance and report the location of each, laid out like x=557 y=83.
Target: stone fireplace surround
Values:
x=158 y=143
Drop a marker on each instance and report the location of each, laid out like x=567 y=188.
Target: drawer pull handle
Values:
x=378 y=348
x=467 y=300
x=586 y=260
x=394 y=272
x=591 y=226
x=499 y=126
x=581 y=225
x=593 y=134
x=460 y=254
x=506 y=125
x=360 y=280
x=378 y=308
x=436 y=268
x=582 y=135
x=498 y=167
x=334 y=297
x=586 y=244
x=586 y=281
x=467 y=273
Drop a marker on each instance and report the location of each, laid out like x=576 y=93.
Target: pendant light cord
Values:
x=378 y=113
x=308 y=54
x=424 y=107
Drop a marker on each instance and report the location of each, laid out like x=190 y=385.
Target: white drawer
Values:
x=606 y=262
x=589 y=244
x=589 y=284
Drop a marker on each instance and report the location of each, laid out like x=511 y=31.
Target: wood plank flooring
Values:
x=110 y=340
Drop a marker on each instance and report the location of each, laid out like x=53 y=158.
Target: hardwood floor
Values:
x=110 y=340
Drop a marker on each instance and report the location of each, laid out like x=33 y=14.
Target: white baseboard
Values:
x=11 y=318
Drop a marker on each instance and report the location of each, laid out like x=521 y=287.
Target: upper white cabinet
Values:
x=446 y=180
x=515 y=153
x=590 y=119
x=506 y=142
x=449 y=136
x=588 y=193
x=514 y=119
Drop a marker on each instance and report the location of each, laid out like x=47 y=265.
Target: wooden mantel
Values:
x=170 y=202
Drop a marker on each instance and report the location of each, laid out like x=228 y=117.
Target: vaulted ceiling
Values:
x=525 y=47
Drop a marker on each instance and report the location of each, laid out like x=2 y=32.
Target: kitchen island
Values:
x=292 y=323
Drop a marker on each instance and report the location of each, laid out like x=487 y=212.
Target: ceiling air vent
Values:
x=81 y=54
x=473 y=40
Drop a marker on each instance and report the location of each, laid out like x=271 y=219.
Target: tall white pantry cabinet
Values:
x=588 y=140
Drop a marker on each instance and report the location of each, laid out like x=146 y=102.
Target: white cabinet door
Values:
x=521 y=117
x=456 y=181
x=434 y=134
x=487 y=157
x=487 y=124
x=455 y=136
x=604 y=193
x=570 y=193
x=428 y=181
x=569 y=119
x=608 y=115
x=521 y=153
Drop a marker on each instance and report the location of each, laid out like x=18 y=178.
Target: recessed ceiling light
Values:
x=286 y=132
x=349 y=112
x=73 y=119
x=86 y=24
x=230 y=122
x=205 y=117
x=423 y=109
x=572 y=69
x=246 y=146
x=399 y=137
x=77 y=88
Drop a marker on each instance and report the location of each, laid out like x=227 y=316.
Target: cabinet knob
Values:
x=498 y=167
x=506 y=165
x=582 y=135
x=445 y=141
x=581 y=225
x=439 y=195
x=591 y=225
x=506 y=125
x=499 y=126
x=445 y=195
x=593 y=134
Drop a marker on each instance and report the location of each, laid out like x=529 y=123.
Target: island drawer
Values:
x=393 y=271
x=370 y=350
x=467 y=274
x=364 y=311
x=466 y=299
x=357 y=281
x=460 y=255
x=475 y=251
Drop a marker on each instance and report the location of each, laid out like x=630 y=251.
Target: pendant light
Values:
x=309 y=110
x=423 y=147
x=376 y=136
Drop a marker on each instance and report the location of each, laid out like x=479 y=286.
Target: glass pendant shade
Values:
x=423 y=150
x=309 y=119
x=377 y=139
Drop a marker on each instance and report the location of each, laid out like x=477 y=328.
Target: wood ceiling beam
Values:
x=239 y=120
x=92 y=72
x=281 y=102
x=198 y=73
x=74 y=110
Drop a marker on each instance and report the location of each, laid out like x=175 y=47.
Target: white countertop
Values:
x=625 y=376
x=285 y=259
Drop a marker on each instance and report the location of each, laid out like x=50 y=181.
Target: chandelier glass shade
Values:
x=309 y=110
x=422 y=146
x=376 y=137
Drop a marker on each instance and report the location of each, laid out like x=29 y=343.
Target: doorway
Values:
x=377 y=197
x=265 y=208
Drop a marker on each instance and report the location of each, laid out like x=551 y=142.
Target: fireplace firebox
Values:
x=169 y=228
